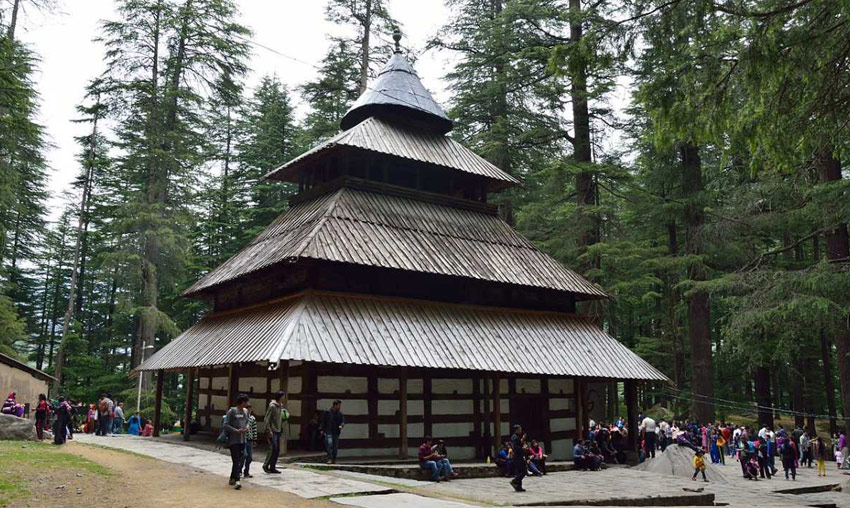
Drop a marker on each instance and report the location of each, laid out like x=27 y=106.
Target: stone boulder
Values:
x=13 y=428
x=678 y=461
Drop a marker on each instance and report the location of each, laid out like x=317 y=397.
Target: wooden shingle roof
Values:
x=398 y=232
x=367 y=330
x=381 y=136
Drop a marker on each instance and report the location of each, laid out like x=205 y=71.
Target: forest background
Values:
x=713 y=206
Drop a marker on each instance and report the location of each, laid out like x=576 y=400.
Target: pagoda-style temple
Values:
x=392 y=284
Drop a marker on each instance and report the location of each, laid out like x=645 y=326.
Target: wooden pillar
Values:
x=372 y=402
x=581 y=417
x=157 y=408
x=497 y=414
x=283 y=367
x=476 y=417
x=631 y=413
x=487 y=437
x=231 y=386
x=426 y=395
x=190 y=387
x=547 y=424
x=402 y=414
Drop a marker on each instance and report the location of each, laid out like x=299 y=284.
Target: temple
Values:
x=392 y=284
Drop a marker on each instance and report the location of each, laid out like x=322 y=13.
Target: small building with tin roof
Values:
x=27 y=382
x=392 y=284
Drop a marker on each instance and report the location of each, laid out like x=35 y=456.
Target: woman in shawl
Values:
x=63 y=418
x=91 y=419
x=11 y=406
x=134 y=424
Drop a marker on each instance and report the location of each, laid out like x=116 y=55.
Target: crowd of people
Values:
x=64 y=417
x=756 y=451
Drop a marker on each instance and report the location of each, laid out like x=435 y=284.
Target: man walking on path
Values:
x=520 y=470
x=332 y=424
x=118 y=420
x=236 y=428
x=274 y=428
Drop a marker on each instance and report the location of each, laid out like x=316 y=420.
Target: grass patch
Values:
x=27 y=460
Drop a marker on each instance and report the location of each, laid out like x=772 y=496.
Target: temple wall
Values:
x=445 y=404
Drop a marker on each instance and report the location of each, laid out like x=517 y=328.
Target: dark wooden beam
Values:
x=631 y=413
x=157 y=408
x=547 y=418
x=581 y=414
x=283 y=367
x=428 y=396
x=486 y=436
x=497 y=414
x=190 y=386
x=232 y=381
x=372 y=403
x=402 y=414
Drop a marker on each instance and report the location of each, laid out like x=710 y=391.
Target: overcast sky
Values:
x=69 y=58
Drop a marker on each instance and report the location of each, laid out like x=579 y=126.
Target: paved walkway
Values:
x=575 y=488
x=300 y=482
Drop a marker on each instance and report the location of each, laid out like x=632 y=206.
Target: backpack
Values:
x=223 y=434
x=103 y=406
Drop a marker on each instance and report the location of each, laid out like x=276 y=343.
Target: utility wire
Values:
x=731 y=404
x=303 y=62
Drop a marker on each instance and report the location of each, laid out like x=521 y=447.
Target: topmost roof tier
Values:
x=398 y=92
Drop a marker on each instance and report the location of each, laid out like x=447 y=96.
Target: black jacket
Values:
x=331 y=421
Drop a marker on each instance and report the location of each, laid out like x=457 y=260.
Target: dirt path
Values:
x=139 y=481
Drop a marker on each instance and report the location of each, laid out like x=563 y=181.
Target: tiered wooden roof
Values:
x=368 y=330
x=348 y=216
x=380 y=136
x=400 y=232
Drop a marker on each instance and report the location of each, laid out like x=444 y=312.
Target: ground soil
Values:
x=138 y=481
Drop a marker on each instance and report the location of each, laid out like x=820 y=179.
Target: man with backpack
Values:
x=104 y=415
x=788 y=452
x=235 y=425
x=274 y=428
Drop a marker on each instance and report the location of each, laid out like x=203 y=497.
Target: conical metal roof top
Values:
x=397 y=92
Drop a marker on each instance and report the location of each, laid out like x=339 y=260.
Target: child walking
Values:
x=699 y=466
x=820 y=456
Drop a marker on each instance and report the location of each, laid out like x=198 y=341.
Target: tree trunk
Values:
x=761 y=376
x=797 y=392
x=699 y=314
x=838 y=247
x=75 y=265
x=364 y=47
x=13 y=23
x=828 y=382
x=582 y=153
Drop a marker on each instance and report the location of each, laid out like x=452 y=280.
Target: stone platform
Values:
x=609 y=487
x=412 y=471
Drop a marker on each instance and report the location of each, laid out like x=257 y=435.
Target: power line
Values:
x=298 y=60
x=731 y=404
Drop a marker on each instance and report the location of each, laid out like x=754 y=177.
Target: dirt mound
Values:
x=678 y=461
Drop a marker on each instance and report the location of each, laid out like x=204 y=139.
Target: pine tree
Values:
x=330 y=94
x=270 y=139
x=161 y=58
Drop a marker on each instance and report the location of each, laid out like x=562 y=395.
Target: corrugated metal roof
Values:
x=366 y=330
x=381 y=136
x=398 y=86
x=367 y=228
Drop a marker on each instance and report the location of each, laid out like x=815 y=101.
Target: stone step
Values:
x=414 y=472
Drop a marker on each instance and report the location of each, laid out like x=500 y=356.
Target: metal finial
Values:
x=397 y=39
